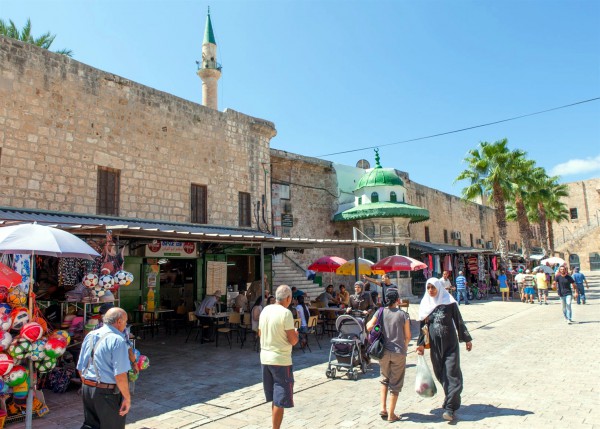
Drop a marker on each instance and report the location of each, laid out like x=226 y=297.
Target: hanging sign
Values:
x=287 y=220
x=175 y=249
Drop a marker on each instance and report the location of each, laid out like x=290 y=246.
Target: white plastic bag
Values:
x=424 y=384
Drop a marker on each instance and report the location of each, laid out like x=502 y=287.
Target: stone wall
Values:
x=60 y=120
x=584 y=198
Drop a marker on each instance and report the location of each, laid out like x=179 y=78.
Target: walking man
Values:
x=385 y=284
x=520 y=280
x=277 y=337
x=103 y=365
x=461 y=288
x=446 y=281
x=542 y=286
x=579 y=279
x=566 y=288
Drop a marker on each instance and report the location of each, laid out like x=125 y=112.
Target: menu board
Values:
x=216 y=277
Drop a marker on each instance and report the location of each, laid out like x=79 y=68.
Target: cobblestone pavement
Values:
x=528 y=368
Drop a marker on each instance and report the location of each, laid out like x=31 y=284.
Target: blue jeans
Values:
x=566 y=306
x=463 y=293
x=580 y=293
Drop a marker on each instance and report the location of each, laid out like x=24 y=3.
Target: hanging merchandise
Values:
x=447 y=263
x=68 y=272
x=21 y=264
x=481 y=267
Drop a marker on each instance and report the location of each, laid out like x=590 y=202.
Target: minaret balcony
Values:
x=213 y=65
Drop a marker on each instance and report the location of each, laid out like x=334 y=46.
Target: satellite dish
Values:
x=363 y=163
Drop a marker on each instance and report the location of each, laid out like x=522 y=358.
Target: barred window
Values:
x=198 y=203
x=244 y=209
x=108 y=191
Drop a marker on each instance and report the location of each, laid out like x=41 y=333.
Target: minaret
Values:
x=209 y=69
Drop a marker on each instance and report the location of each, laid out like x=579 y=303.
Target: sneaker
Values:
x=540 y=302
x=448 y=415
x=546 y=303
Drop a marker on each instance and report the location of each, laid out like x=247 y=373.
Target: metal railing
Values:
x=573 y=235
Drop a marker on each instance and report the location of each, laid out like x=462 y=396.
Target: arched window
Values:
x=359 y=201
x=374 y=197
x=393 y=198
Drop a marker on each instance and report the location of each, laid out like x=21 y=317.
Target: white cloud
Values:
x=576 y=166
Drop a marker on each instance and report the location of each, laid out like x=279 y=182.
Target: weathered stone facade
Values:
x=60 y=120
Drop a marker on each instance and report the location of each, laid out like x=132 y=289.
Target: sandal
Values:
x=393 y=418
x=383 y=415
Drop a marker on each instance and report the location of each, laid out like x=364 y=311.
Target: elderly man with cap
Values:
x=360 y=301
x=208 y=306
x=580 y=279
x=103 y=365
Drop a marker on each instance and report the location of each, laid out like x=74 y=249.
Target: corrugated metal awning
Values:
x=446 y=248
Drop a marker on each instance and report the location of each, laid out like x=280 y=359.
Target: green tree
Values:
x=24 y=35
x=556 y=211
x=521 y=187
x=488 y=175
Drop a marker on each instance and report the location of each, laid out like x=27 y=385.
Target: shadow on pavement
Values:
x=468 y=413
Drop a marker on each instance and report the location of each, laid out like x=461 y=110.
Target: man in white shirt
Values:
x=520 y=281
x=277 y=337
x=446 y=281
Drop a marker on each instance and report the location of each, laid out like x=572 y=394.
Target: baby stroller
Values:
x=348 y=347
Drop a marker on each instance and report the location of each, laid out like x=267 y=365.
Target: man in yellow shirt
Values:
x=277 y=337
x=542 y=286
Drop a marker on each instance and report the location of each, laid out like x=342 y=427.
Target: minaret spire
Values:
x=209 y=69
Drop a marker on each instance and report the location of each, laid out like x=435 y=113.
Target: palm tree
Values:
x=24 y=35
x=488 y=174
x=556 y=211
x=520 y=170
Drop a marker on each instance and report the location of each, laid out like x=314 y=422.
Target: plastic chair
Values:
x=312 y=325
x=233 y=325
x=193 y=323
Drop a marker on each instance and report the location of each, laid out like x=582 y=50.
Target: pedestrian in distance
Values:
x=277 y=337
x=446 y=281
x=396 y=333
x=529 y=289
x=566 y=288
x=103 y=366
x=503 y=282
x=520 y=280
x=461 y=288
x=542 y=286
x=580 y=279
x=439 y=311
x=385 y=283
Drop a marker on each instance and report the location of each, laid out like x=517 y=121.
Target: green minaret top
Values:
x=209 y=36
x=377 y=164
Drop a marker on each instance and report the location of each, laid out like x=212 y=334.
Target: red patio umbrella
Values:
x=8 y=277
x=399 y=263
x=326 y=264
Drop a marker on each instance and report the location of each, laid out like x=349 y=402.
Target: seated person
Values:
x=256 y=309
x=361 y=300
x=344 y=295
x=241 y=302
x=209 y=304
x=296 y=292
x=310 y=275
x=327 y=297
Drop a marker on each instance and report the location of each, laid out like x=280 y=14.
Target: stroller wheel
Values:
x=328 y=374
x=363 y=367
x=355 y=376
x=333 y=372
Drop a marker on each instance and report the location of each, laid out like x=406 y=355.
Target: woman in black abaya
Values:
x=439 y=312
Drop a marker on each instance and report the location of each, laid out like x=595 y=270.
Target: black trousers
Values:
x=101 y=409
x=447 y=371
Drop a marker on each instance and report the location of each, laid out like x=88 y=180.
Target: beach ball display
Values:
x=132 y=376
x=5 y=322
x=106 y=281
x=55 y=347
x=98 y=291
x=120 y=278
x=5 y=308
x=19 y=348
x=45 y=365
x=143 y=362
x=16 y=376
x=32 y=331
x=3 y=294
x=90 y=280
x=38 y=350
x=6 y=363
x=20 y=391
x=62 y=334
x=5 y=340
x=19 y=317
x=128 y=279
x=16 y=297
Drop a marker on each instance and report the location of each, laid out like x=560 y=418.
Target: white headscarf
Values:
x=429 y=303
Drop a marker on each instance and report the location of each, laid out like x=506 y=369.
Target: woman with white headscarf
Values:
x=439 y=312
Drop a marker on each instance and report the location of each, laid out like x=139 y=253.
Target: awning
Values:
x=427 y=247
x=160 y=230
x=537 y=257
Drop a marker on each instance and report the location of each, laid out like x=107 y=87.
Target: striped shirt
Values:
x=461 y=282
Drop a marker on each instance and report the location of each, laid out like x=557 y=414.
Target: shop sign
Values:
x=287 y=220
x=176 y=249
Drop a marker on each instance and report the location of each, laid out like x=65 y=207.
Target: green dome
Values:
x=383 y=210
x=379 y=177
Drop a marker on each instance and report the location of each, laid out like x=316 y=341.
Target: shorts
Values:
x=542 y=292
x=392 y=367
x=503 y=289
x=278 y=384
x=529 y=291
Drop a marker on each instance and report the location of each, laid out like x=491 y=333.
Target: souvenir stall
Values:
x=39 y=338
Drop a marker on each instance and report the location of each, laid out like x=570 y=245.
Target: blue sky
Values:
x=340 y=75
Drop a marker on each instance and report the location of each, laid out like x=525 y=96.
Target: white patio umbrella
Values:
x=553 y=260
x=32 y=239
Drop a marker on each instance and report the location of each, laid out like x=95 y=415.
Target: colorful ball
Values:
x=120 y=278
x=5 y=322
x=45 y=365
x=98 y=291
x=90 y=280
x=16 y=376
x=19 y=316
x=129 y=279
x=5 y=340
x=42 y=322
x=3 y=294
x=62 y=334
x=132 y=376
x=38 y=350
x=20 y=391
x=137 y=354
x=106 y=281
x=32 y=331
x=55 y=347
x=143 y=362
x=6 y=363
x=19 y=348
x=16 y=298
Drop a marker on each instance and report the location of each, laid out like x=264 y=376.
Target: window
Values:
x=393 y=197
x=446 y=236
x=573 y=213
x=198 y=203
x=374 y=197
x=107 y=193
x=244 y=209
x=427 y=239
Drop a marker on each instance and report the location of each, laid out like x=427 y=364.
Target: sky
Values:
x=340 y=75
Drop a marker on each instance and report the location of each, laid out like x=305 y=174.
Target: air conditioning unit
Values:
x=489 y=245
x=479 y=241
x=287 y=207
x=455 y=235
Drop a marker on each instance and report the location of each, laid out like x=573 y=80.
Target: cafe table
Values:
x=155 y=317
x=212 y=320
